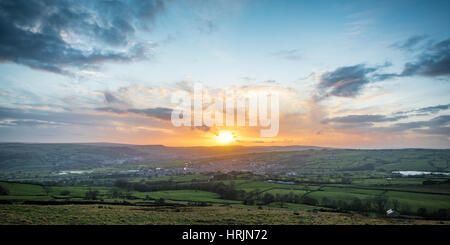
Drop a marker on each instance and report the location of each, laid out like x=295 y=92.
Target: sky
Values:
x=349 y=74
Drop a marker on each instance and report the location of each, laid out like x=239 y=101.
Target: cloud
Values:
x=364 y=124
x=112 y=110
x=18 y=117
x=409 y=44
x=112 y=99
x=28 y=122
x=13 y=117
x=435 y=131
x=433 y=126
x=434 y=109
x=434 y=61
x=424 y=111
x=158 y=112
x=347 y=81
x=288 y=54
x=362 y=119
x=58 y=35
x=359 y=27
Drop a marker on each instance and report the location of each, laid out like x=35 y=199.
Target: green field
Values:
x=185 y=195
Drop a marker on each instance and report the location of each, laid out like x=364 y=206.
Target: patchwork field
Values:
x=308 y=186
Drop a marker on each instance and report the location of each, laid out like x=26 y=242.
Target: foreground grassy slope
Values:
x=111 y=214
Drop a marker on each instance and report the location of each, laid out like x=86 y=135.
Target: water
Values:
x=414 y=173
x=74 y=172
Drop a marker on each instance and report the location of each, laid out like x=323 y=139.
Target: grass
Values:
x=16 y=189
x=432 y=202
x=186 y=195
x=127 y=215
x=78 y=191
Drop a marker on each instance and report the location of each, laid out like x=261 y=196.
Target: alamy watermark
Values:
x=251 y=109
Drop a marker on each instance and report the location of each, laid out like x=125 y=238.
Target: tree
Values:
x=3 y=191
x=161 y=201
x=121 y=183
x=309 y=201
x=47 y=190
x=65 y=193
x=268 y=198
x=405 y=208
x=356 y=204
x=422 y=212
x=380 y=203
x=365 y=205
x=282 y=199
x=116 y=193
x=442 y=213
x=326 y=202
x=91 y=195
x=395 y=204
x=345 y=180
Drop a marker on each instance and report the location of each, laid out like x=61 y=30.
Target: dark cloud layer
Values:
x=21 y=117
x=158 y=112
x=362 y=119
x=14 y=117
x=365 y=124
x=437 y=125
x=347 y=81
x=426 y=110
x=37 y=33
x=434 y=61
x=434 y=109
x=29 y=123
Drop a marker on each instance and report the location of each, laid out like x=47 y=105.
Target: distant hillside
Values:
x=331 y=160
x=260 y=159
x=93 y=155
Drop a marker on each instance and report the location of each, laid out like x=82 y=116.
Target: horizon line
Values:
x=231 y=145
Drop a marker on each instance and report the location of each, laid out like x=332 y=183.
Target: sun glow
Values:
x=226 y=137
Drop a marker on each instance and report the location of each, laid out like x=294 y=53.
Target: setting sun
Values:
x=226 y=137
